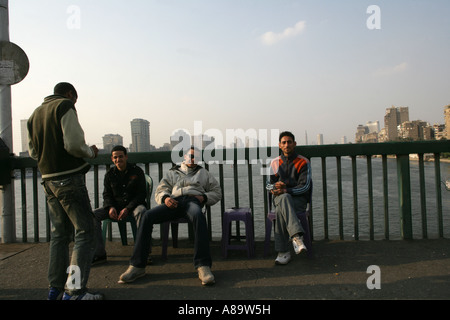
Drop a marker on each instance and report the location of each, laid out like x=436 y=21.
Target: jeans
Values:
x=287 y=224
x=69 y=210
x=101 y=214
x=188 y=207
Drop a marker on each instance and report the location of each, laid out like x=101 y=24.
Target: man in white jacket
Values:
x=183 y=192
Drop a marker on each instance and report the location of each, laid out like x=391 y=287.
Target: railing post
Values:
x=404 y=195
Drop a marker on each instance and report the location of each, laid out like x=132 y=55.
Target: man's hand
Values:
x=279 y=188
x=113 y=213
x=123 y=214
x=170 y=203
x=95 y=149
x=201 y=199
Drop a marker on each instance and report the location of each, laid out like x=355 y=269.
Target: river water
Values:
x=318 y=211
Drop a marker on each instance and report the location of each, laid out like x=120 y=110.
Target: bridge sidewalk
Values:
x=417 y=269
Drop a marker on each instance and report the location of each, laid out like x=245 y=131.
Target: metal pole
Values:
x=8 y=219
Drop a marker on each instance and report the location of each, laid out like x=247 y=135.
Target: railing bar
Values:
x=250 y=192
x=208 y=213
x=236 y=194
x=265 y=200
x=36 y=205
x=404 y=196
x=324 y=197
x=423 y=203
x=339 y=184
x=23 y=188
x=355 y=198
x=385 y=197
x=311 y=218
x=222 y=187
x=96 y=190
x=437 y=177
x=370 y=196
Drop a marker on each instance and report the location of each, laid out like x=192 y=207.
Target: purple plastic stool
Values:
x=238 y=214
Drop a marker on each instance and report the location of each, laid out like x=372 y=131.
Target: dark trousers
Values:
x=188 y=207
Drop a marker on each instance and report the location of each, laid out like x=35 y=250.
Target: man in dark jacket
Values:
x=290 y=183
x=124 y=194
x=56 y=141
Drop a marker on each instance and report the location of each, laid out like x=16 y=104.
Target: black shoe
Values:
x=98 y=260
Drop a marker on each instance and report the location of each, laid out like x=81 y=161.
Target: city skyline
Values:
x=373 y=127
x=320 y=67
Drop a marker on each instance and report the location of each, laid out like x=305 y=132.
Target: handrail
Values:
x=398 y=150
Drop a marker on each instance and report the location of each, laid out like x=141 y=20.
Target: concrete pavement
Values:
x=416 y=269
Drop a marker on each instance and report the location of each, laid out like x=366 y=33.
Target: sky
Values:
x=308 y=66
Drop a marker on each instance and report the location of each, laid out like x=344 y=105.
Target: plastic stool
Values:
x=238 y=214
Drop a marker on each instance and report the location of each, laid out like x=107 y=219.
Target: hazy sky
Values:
x=307 y=66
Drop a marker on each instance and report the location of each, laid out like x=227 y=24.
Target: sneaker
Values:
x=131 y=274
x=98 y=260
x=205 y=275
x=298 y=244
x=84 y=296
x=283 y=258
x=55 y=294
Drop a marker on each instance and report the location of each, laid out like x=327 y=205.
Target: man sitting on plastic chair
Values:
x=124 y=194
x=290 y=183
x=184 y=190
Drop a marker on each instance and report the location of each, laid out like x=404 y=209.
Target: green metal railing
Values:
x=317 y=154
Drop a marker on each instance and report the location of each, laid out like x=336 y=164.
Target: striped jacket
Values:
x=294 y=171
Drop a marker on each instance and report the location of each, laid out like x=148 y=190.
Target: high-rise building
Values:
x=373 y=126
x=393 y=118
x=111 y=140
x=24 y=134
x=414 y=130
x=140 y=135
x=320 y=139
x=447 y=120
x=361 y=131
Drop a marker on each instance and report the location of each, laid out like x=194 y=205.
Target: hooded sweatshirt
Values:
x=181 y=180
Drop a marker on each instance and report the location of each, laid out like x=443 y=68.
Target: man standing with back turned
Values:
x=56 y=141
x=290 y=183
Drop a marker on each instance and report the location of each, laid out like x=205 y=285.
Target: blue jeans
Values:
x=101 y=214
x=188 y=207
x=70 y=209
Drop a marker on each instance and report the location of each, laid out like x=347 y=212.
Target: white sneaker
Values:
x=205 y=275
x=283 y=258
x=298 y=244
x=131 y=274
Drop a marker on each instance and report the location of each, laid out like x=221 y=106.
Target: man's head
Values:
x=287 y=142
x=67 y=90
x=190 y=156
x=119 y=157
